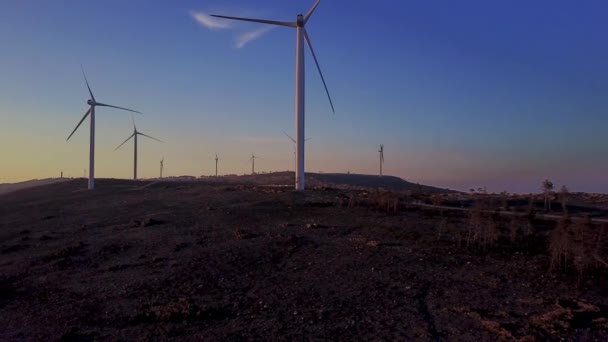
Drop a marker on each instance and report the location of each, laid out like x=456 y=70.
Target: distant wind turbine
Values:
x=301 y=36
x=252 y=160
x=294 y=149
x=93 y=103
x=381 y=151
x=162 y=161
x=134 y=136
x=216 y=159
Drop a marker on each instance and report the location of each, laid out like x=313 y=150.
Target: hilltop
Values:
x=336 y=180
x=210 y=260
x=5 y=188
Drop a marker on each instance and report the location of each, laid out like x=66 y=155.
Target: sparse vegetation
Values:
x=579 y=245
x=563 y=198
x=547 y=187
x=483 y=228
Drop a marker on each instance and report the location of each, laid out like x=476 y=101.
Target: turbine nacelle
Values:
x=91 y=102
x=300 y=20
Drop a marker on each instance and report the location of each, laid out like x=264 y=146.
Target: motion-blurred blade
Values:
x=87 y=82
x=107 y=105
x=292 y=139
x=81 y=120
x=310 y=11
x=147 y=136
x=271 y=22
x=131 y=136
x=319 y=68
x=133 y=120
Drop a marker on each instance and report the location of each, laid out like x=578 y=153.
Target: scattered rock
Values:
x=178 y=247
x=14 y=248
x=241 y=234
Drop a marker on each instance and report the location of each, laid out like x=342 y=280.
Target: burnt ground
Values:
x=213 y=261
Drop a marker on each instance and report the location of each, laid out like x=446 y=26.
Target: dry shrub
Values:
x=442 y=228
x=437 y=199
x=560 y=243
x=581 y=245
x=386 y=201
x=531 y=211
x=352 y=200
x=520 y=228
x=483 y=229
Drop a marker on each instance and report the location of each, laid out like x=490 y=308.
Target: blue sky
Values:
x=462 y=94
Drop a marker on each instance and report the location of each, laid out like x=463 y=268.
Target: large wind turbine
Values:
x=93 y=103
x=381 y=151
x=134 y=136
x=294 y=148
x=301 y=36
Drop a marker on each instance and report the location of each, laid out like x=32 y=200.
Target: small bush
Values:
x=580 y=245
x=483 y=229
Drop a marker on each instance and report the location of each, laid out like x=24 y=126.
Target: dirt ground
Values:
x=211 y=261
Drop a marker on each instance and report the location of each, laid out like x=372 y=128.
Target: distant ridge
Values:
x=332 y=180
x=5 y=188
x=372 y=181
x=338 y=180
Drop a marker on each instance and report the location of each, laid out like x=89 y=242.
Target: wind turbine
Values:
x=294 y=148
x=252 y=160
x=301 y=36
x=161 y=166
x=216 y=159
x=134 y=136
x=93 y=103
x=381 y=151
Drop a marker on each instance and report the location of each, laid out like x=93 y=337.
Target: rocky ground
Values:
x=222 y=261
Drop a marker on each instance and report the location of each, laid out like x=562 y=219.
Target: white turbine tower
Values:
x=93 y=103
x=301 y=36
x=134 y=136
x=381 y=151
x=294 y=149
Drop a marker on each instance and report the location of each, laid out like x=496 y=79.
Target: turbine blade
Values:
x=147 y=136
x=81 y=120
x=319 y=68
x=87 y=82
x=107 y=105
x=271 y=22
x=133 y=120
x=307 y=139
x=292 y=139
x=131 y=136
x=311 y=10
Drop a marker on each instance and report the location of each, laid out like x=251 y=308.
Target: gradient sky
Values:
x=461 y=93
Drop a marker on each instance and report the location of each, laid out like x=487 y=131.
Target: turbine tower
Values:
x=381 y=151
x=252 y=160
x=294 y=149
x=93 y=103
x=134 y=136
x=162 y=161
x=216 y=159
x=301 y=36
